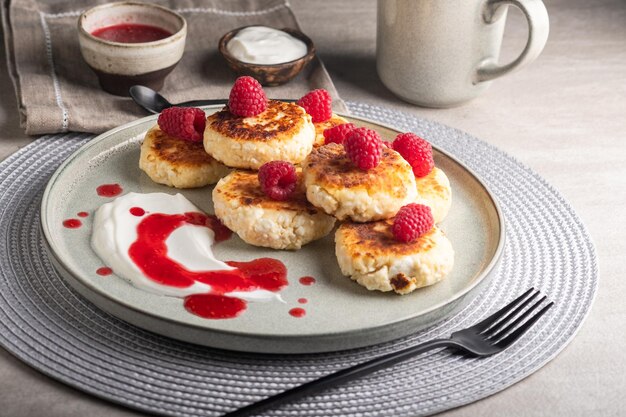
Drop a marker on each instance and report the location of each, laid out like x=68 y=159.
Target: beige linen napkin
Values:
x=58 y=92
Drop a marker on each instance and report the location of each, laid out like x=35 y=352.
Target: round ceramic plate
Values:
x=340 y=314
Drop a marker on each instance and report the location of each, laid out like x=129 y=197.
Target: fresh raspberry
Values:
x=278 y=179
x=247 y=97
x=318 y=104
x=185 y=123
x=411 y=222
x=338 y=133
x=364 y=147
x=416 y=151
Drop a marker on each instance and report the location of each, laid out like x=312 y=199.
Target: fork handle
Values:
x=340 y=377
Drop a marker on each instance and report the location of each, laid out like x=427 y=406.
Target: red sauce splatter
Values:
x=297 y=312
x=149 y=253
x=109 y=190
x=82 y=214
x=307 y=280
x=214 y=306
x=72 y=223
x=105 y=270
x=137 y=211
x=303 y=300
x=131 y=33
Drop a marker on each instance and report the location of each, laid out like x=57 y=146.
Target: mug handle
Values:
x=538 y=28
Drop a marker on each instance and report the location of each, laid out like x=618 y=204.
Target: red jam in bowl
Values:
x=131 y=33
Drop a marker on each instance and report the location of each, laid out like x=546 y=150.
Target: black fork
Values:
x=492 y=335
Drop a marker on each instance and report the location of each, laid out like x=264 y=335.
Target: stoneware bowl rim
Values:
x=172 y=38
x=297 y=33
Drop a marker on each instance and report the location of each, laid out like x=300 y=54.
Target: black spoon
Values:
x=154 y=102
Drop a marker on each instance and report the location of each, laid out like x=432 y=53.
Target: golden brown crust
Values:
x=175 y=151
x=330 y=166
x=434 y=191
x=375 y=239
x=244 y=187
x=268 y=125
x=432 y=184
x=400 y=282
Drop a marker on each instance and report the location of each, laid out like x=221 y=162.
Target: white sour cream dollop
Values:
x=115 y=230
x=265 y=46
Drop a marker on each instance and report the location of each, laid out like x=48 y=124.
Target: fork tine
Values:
x=507 y=341
x=512 y=313
x=486 y=323
x=497 y=332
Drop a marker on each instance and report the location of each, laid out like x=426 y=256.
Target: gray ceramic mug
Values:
x=441 y=53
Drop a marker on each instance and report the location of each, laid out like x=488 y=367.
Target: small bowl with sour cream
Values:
x=272 y=56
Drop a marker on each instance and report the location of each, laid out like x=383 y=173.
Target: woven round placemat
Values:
x=52 y=328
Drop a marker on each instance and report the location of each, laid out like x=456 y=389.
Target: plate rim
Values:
x=486 y=271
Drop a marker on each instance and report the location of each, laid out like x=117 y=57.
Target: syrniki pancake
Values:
x=243 y=207
x=335 y=185
x=370 y=255
x=284 y=131
x=434 y=191
x=320 y=127
x=176 y=162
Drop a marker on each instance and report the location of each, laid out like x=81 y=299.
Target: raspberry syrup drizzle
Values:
x=137 y=211
x=297 y=312
x=109 y=190
x=307 y=280
x=149 y=253
x=104 y=271
x=72 y=223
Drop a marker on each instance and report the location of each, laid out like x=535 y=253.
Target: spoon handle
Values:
x=197 y=103
x=209 y=102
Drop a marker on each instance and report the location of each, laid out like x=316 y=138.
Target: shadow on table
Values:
x=357 y=70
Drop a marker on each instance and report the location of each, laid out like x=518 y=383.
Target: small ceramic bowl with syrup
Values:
x=128 y=43
x=272 y=56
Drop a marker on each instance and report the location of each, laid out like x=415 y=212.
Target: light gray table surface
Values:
x=564 y=116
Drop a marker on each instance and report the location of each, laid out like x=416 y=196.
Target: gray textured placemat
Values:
x=49 y=326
